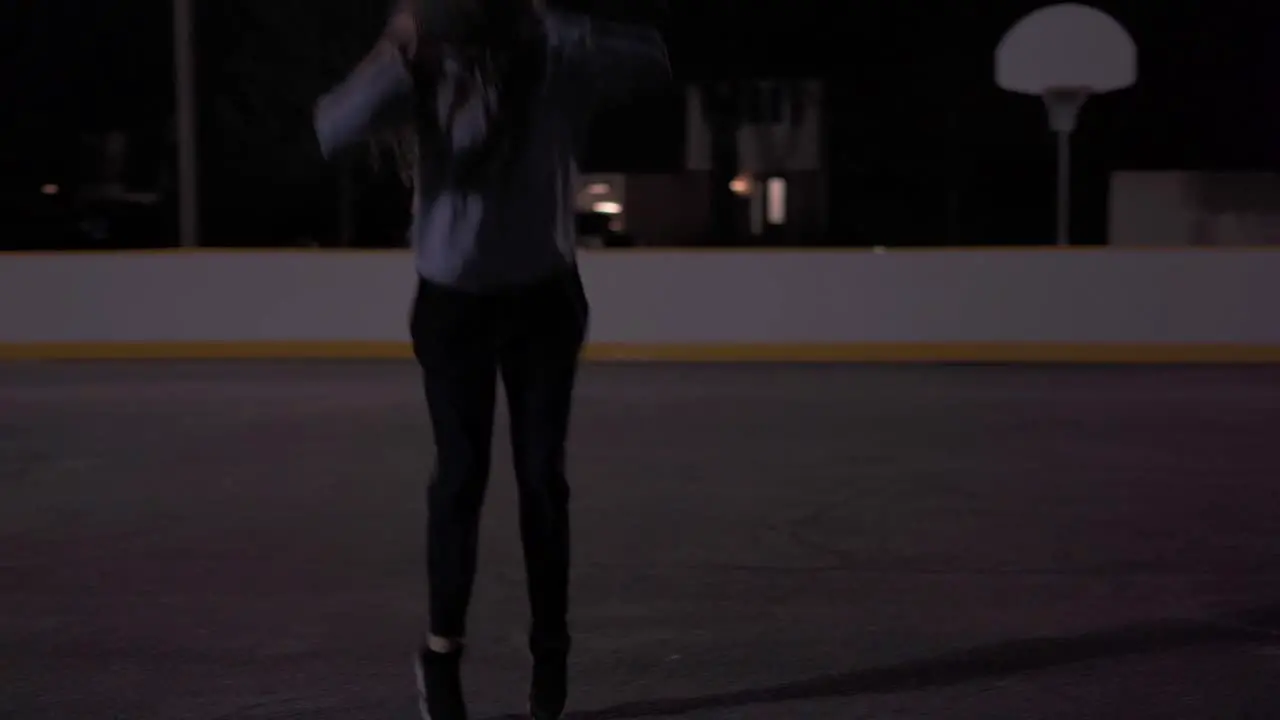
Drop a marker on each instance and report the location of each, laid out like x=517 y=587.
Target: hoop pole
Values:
x=1064 y=188
x=184 y=92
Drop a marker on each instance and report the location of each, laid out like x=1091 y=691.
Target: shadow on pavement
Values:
x=1258 y=625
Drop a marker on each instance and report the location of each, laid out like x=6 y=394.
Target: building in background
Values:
x=754 y=175
x=1193 y=209
x=759 y=147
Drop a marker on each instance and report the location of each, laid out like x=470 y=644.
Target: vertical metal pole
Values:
x=1064 y=188
x=185 y=94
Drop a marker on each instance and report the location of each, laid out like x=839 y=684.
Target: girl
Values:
x=497 y=94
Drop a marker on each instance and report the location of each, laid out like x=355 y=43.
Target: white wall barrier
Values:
x=1103 y=305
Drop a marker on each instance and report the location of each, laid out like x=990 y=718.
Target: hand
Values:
x=402 y=29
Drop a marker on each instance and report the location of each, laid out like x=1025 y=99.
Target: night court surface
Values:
x=243 y=540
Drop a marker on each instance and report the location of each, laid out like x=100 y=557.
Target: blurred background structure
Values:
x=778 y=107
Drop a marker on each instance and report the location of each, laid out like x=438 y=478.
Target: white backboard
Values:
x=1068 y=45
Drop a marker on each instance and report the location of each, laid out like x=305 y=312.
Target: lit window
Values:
x=776 y=201
x=607 y=208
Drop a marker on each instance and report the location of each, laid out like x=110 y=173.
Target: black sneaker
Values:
x=549 y=689
x=440 y=685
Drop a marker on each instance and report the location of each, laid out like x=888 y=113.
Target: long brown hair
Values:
x=498 y=41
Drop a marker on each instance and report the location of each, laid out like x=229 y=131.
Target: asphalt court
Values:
x=244 y=540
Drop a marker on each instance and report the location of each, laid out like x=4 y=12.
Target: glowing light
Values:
x=740 y=185
x=50 y=189
x=776 y=199
x=607 y=208
x=599 y=188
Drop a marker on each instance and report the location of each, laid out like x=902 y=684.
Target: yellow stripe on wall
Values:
x=622 y=352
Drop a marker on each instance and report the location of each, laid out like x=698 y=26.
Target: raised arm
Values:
x=376 y=96
x=614 y=61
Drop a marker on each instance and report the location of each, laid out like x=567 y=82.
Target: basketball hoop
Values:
x=1064 y=54
x=1063 y=104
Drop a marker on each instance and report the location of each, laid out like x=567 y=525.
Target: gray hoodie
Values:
x=517 y=226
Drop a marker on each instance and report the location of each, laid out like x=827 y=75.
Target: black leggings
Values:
x=532 y=335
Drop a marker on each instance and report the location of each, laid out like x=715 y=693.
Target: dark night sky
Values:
x=913 y=108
